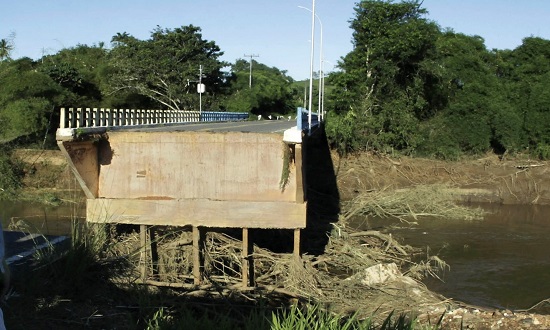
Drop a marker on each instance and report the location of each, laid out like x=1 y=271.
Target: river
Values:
x=39 y=218
x=502 y=261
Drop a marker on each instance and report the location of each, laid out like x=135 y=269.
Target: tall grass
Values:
x=294 y=318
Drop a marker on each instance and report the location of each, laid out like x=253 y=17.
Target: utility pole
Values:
x=200 y=89
x=250 y=78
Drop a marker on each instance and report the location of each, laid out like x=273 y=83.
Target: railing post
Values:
x=62 y=118
x=79 y=117
x=88 y=117
x=132 y=117
x=95 y=117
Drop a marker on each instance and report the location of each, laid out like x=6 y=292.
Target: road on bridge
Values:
x=260 y=126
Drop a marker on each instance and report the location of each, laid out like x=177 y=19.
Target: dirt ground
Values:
x=486 y=179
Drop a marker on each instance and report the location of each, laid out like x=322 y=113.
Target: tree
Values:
x=388 y=79
x=530 y=92
x=165 y=68
x=27 y=100
x=80 y=71
x=271 y=91
x=6 y=47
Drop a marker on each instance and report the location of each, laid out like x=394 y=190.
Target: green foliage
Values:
x=6 y=47
x=23 y=117
x=11 y=173
x=409 y=86
x=437 y=140
x=344 y=131
x=313 y=317
x=389 y=78
x=27 y=99
x=542 y=152
x=271 y=91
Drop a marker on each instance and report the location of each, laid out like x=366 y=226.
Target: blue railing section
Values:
x=302 y=119
x=223 y=116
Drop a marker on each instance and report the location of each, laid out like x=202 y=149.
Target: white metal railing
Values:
x=100 y=117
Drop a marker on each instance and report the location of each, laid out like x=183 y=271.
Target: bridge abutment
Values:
x=198 y=179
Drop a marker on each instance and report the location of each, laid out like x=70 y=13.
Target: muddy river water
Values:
x=39 y=218
x=501 y=261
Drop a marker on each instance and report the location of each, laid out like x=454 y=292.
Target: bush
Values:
x=542 y=152
x=11 y=173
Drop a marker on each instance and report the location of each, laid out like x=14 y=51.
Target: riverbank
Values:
x=487 y=179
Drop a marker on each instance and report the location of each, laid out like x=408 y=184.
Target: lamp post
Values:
x=313 y=16
x=311 y=57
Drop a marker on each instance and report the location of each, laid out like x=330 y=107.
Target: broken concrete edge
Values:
x=293 y=135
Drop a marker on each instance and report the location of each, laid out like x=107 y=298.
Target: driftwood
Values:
x=526 y=166
x=209 y=289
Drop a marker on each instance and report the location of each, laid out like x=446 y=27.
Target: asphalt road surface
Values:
x=260 y=126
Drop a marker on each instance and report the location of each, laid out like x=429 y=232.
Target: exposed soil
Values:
x=487 y=179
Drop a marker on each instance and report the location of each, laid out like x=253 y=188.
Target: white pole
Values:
x=319 y=112
x=311 y=62
x=323 y=89
x=200 y=92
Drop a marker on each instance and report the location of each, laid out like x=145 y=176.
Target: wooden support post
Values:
x=154 y=251
x=297 y=252
x=247 y=260
x=244 y=255
x=143 y=246
x=197 y=265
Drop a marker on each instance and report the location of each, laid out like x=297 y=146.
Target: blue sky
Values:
x=276 y=30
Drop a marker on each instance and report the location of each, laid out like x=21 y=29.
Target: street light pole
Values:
x=311 y=57
x=321 y=91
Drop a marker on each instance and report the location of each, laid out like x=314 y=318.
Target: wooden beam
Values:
x=297 y=251
x=197 y=212
x=154 y=251
x=245 y=258
x=143 y=253
x=197 y=265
